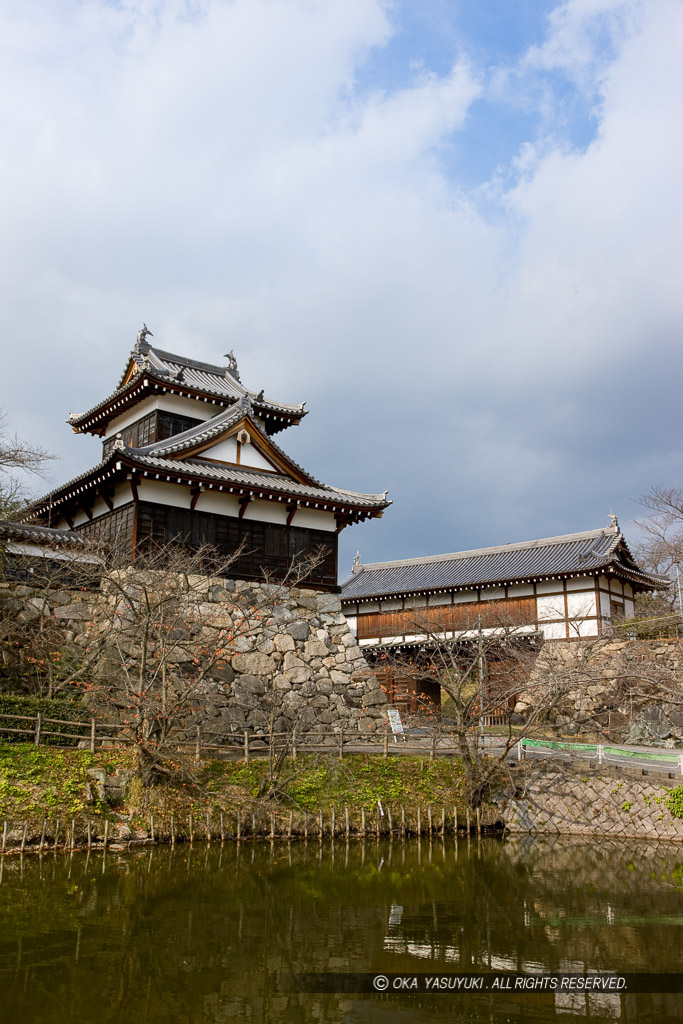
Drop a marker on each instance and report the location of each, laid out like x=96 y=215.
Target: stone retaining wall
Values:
x=604 y=805
x=299 y=659
x=630 y=691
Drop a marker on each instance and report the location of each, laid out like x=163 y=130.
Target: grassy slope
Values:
x=39 y=782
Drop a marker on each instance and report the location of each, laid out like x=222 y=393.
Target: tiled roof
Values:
x=243 y=476
x=204 y=431
x=43 y=536
x=224 y=475
x=572 y=553
x=180 y=373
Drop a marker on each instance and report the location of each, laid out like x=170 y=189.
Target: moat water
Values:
x=206 y=934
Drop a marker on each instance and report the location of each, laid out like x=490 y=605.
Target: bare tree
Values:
x=17 y=453
x=662 y=550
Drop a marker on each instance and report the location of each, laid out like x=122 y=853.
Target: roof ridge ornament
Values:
x=614 y=522
x=232 y=365
x=141 y=344
x=356 y=562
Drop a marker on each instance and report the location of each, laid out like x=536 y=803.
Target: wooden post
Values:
x=341 y=743
x=272 y=826
x=455 y=820
x=172 y=830
x=321 y=826
x=289 y=827
x=4 y=835
x=106 y=832
x=478 y=821
x=390 y=822
x=198 y=746
x=42 y=836
x=73 y=833
x=222 y=828
x=92 y=735
x=432 y=750
x=347 y=823
x=36 y=738
x=419 y=821
x=403 y=822
x=443 y=821
x=23 y=838
x=362 y=820
x=246 y=746
x=151 y=827
x=332 y=826
x=379 y=821
x=305 y=824
x=468 y=821
x=208 y=826
x=191 y=829
x=89 y=835
x=56 y=833
x=294 y=744
x=239 y=826
x=385 y=752
x=253 y=826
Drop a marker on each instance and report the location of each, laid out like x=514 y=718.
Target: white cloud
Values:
x=215 y=169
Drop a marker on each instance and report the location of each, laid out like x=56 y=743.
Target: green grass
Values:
x=38 y=782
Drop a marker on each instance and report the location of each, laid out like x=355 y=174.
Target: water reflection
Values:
x=207 y=933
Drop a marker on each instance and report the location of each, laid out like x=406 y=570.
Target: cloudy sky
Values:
x=454 y=228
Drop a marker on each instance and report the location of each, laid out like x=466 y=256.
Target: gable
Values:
x=231 y=450
x=243 y=444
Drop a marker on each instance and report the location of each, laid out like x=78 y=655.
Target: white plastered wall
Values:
x=550 y=606
x=167 y=403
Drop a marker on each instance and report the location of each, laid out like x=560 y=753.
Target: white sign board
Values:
x=395 y=722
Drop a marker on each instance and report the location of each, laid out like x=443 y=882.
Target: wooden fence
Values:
x=421 y=740
x=375 y=822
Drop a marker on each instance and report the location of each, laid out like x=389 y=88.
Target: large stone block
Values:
x=254 y=663
x=299 y=630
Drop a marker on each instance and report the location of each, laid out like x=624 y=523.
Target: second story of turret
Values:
x=161 y=394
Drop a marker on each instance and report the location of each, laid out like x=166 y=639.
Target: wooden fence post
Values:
x=92 y=735
x=106 y=832
x=341 y=743
x=346 y=821
x=198 y=748
x=36 y=738
x=385 y=752
x=294 y=744
x=246 y=746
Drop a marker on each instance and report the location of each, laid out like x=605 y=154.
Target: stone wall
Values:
x=296 y=663
x=630 y=691
x=612 y=805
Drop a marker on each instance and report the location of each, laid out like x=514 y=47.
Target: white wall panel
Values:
x=314 y=519
x=581 y=605
x=521 y=590
x=554 y=630
x=549 y=587
x=439 y=599
x=581 y=583
x=463 y=596
x=550 y=607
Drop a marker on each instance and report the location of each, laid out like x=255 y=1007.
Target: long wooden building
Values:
x=557 y=588
x=188 y=456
